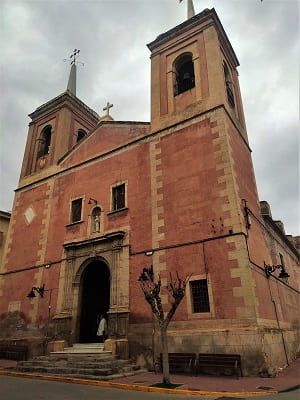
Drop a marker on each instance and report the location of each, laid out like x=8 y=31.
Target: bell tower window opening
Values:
x=80 y=135
x=184 y=76
x=228 y=83
x=45 y=140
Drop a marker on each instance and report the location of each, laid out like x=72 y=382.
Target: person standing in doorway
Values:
x=102 y=328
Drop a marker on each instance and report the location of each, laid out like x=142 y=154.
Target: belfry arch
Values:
x=184 y=75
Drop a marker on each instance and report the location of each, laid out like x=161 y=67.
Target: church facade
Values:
x=100 y=199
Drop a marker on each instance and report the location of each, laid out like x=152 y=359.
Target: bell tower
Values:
x=193 y=70
x=56 y=127
x=201 y=165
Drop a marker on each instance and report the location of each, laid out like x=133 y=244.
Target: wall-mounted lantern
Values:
x=40 y=290
x=91 y=200
x=269 y=269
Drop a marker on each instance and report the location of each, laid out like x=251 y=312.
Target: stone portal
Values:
x=95 y=296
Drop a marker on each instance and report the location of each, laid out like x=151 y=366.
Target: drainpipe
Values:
x=278 y=325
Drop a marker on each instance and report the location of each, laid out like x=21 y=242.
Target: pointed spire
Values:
x=190 y=9
x=72 y=80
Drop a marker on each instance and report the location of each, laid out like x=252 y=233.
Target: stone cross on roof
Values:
x=108 y=106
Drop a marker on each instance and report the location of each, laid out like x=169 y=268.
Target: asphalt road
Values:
x=15 y=388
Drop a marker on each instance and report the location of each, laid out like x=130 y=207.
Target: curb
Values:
x=126 y=386
x=290 y=389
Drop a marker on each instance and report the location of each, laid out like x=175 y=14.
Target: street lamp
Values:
x=269 y=269
x=40 y=290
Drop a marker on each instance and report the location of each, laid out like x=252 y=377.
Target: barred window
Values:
x=76 y=210
x=199 y=295
x=118 y=194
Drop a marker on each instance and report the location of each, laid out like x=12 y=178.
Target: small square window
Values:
x=76 y=209
x=199 y=296
x=118 y=197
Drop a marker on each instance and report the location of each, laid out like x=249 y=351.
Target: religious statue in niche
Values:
x=96 y=220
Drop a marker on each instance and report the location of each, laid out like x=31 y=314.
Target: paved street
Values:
x=12 y=388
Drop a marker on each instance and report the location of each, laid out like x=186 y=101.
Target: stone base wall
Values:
x=141 y=344
x=281 y=347
x=15 y=329
x=261 y=350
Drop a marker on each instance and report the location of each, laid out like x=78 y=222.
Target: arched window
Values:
x=95 y=220
x=45 y=140
x=184 y=76
x=229 y=85
x=80 y=134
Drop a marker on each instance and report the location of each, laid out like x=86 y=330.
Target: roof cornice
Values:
x=58 y=100
x=279 y=232
x=206 y=16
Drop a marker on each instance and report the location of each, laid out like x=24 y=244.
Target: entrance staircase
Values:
x=86 y=361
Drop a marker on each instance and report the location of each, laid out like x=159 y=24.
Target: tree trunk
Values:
x=165 y=356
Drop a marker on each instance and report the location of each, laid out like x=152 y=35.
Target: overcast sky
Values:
x=35 y=37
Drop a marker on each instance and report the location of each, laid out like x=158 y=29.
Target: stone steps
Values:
x=74 y=358
x=83 y=348
x=80 y=361
x=38 y=369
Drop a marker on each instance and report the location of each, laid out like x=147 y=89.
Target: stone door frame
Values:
x=111 y=249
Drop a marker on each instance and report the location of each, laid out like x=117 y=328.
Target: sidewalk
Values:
x=288 y=378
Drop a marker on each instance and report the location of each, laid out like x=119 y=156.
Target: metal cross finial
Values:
x=73 y=57
x=108 y=106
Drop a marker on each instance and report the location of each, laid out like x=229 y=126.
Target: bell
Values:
x=186 y=76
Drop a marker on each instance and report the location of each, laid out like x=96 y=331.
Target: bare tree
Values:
x=152 y=293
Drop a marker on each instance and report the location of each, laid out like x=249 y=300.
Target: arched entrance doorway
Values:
x=95 y=297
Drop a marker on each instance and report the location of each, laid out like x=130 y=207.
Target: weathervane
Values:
x=73 y=58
